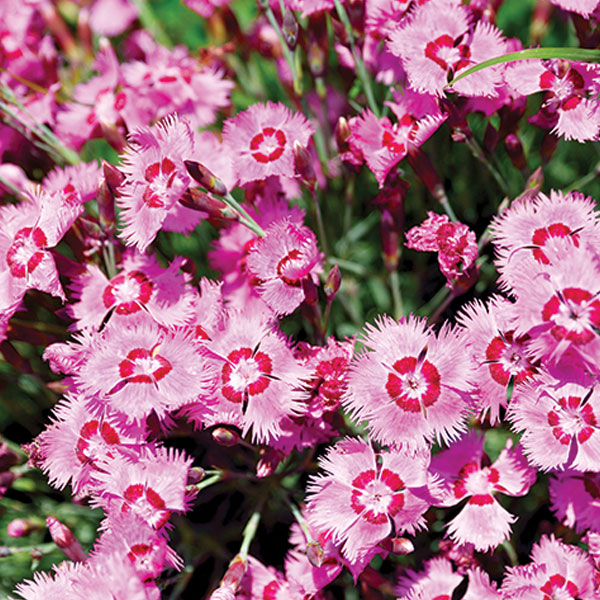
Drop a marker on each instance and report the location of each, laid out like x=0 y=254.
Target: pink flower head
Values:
x=142 y=288
x=266 y=583
x=384 y=144
x=209 y=311
x=144 y=368
x=155 y=180
x=582 y=7
x=436 y=580
x=261 y=140
x=559 y=421
x=411 y=386
x=558 y=570
x=575 y=499
x=280 y=261
x=502 y=358
x=112 y=17
x=381 y=16
x=76 y=184
x=363 y=493
x=455 y=243
x=152 y=486
x=482 y=522
x=434 y=50
x=52 y=587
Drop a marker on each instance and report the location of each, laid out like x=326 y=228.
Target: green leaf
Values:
x=577 y=54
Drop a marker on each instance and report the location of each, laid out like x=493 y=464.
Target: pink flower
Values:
x=583 y=7
x=362 y=493
x=558 y=570
x=261 y=141
x=575 y=499
x=455 y=243
x=434 y=50
x=112 y=17
x=411 y=386
x=156 y=178
x=57 y=587
x=559 y=421
x=280 y=262
x=482 y=522
x=76 y=184
x=205 y=8
x=436 y=580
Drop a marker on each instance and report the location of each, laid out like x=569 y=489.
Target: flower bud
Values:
x=20 y=528
x=423 y=167
x=342 y=133
x=311 y=295
x=268 y=462
x=289 y=28
x=515 y=152
x=225 y=437
x=8 y=458
x=235 y=573
x=490 y=138
x=195 y=475
x=389 y=241
x=304 y=166
x=113 y=176
x=106 y=207
x=548 y=146
x=332 y=283
x=315 y=554
x=205 y=177
x=63 y=537
x=401 y=546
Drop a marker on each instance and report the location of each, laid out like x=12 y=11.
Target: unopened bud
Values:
x=268 y=462
x=7 y=478
x=18 y=528
x=332 y=283
x=11 y=354
x=317 y=59
x=63 y=537
x=225 y=437
x=205 y=177
x=515 y=152
x=304 y=166
x=235 y=573
x=423 y=167
x=459 y=136
x=106 y=207
x=548 y=146
x=536 y=179
x=401 y=546
x=8 y=458
x=490 y=138
x=195 y=475
x=315 y=554
x=201 y=201
x=311 y=296
x=390 y=245
x=289 y=28
x=342 y=133
x=113 y=176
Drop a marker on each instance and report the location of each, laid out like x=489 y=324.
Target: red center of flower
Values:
x=574 y=313
x=413 y=387
x=270 y=590
x=506 y=358
x=569 y=418
x=26 y=251
x=556 y=230
x=292 y=268
x=245 y=373
x=144 y=366
x=160 y=176
x=566 y=91
x=147 y=503
x=558 y=583
x=477 y=482
x=268 y=145
x=71 y=197
x=448 y=53
x=94 y=442
x=128 y=291
x=377 y=498
x=329 y=381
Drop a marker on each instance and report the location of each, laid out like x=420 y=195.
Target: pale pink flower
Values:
x=434 y=50
x=481 y=587
x=280 y=262
x=559 y=421
x=208 y=311
x=482 y=522
x=436 y=580
x=262 y=583
x=362 y=493
x=411 y=386
x=582 y=7
x=558 y=570
x=261 y=141
x=575 y=499
x=112 y=17
x=77 y=184
x=58 y=586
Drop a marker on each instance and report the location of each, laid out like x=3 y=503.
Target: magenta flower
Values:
x=482 y=521
x=412 y=387
x=575 y=499
x=261 y=141
x=280 y=262
x=434 y=50
x=558 y=570
x=454 y=242
x=205 y=8
x=559 y=421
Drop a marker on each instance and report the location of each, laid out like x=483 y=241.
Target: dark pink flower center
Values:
x=26 y=251
x=146 y=560
x=506 y=357
x=376 y=498
x=95 y=440
x=329 y=381
x=448 y=53
x=245 y=373
x=557 y=586
x=268 y=145
x=144 y=366
x=71 y=196
x=128 y=292
x=270 y=590
x=573 y=313
x=292 y=267
x=543 y=234
x=566 y=91
x=413 y=387
x=570 y=419
x=477 y=482
x=160 y=176
x=147 y=503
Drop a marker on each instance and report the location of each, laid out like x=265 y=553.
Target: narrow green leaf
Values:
x=576 y=54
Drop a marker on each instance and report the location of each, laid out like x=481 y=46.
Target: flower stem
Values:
x=246 y=219
x=249 y=533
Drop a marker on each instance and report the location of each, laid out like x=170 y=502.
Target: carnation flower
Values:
x=261 y=140
x=575 y=499
x=411 y=386
x=482 y=522
x=583 y=7
x=363 y=493
x=436 y=580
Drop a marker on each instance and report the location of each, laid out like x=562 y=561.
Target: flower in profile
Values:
x=411 y=386
x=363 y=496
x=558 y=570
x=482 y=522
x=280 y=262
x=261 y=140
x=454 y=242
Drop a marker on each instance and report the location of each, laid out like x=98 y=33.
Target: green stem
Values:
x=396 y=294
x=14 y=190
x=583 y=181
x=151 y=23
x=320 y=224
x=300 y=520
x=208 y=482
x=477 y=152
x=249 y=533
x=247 y=220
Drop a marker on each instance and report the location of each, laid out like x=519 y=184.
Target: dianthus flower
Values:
x=411 y=386
x=482 y=522
x=261 y=140
x=582 y=7
x=558 y=570
x=434 y=50
x=280 y=262
x=575 y=499
x=560 y=424
x=364 y=496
